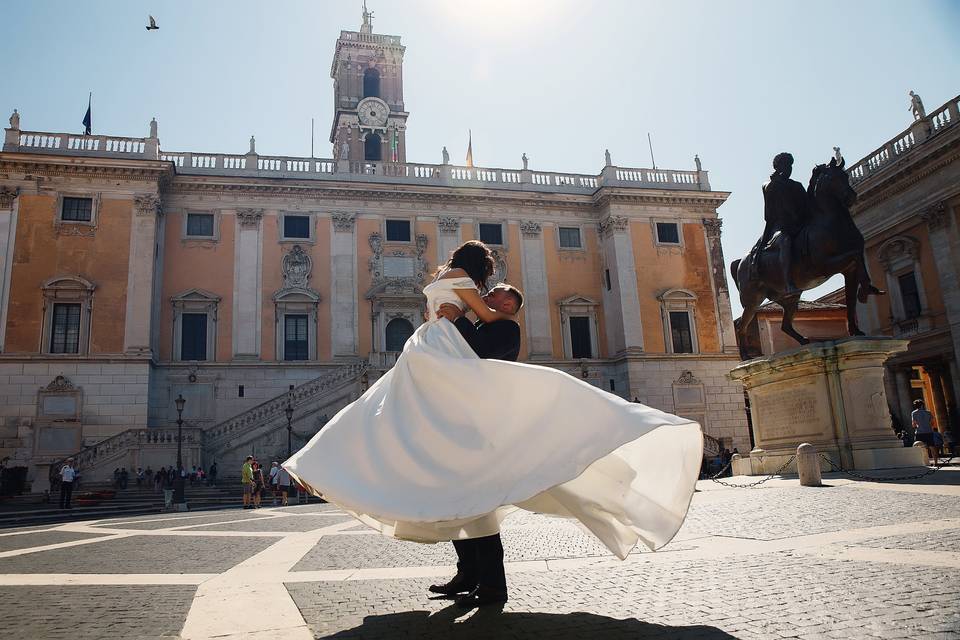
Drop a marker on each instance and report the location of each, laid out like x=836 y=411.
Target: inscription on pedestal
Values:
x=789 y=412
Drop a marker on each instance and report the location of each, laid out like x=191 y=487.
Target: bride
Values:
x=444 y=445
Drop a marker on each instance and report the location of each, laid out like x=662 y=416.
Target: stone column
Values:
x=622 y=303
x=903 y=394
x=448 y=236
x=343 y=296
x=8 y=235
x=535 y=291
x=941 y=222
x=939 y=396
x=247 y=267
x=728 y=335
x=137 y=329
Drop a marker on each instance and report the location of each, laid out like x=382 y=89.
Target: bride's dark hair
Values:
x=475 y=258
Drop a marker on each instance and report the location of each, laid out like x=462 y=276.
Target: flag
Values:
x=87 y=121
x=470 y=149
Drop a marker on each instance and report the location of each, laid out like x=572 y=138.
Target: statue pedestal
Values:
x=829 y=394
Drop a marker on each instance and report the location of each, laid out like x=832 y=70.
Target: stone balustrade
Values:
x=901 y=145
x=89 y=459
x=252 y=164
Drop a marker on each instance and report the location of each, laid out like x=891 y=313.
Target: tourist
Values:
x=274 y=471
x=950 y=442
x=168 y=489
x=246 y=479
x=124 y=478
x=922 y=421
x=159 y=479
x=283 y=485
x=258 y=484
x=140 y=477
x=212 y=475
x=116 y=478
x=67 y=476
x=937 y=442
x=148 y=475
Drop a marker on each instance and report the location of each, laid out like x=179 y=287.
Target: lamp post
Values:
x=179 y=500
x=289 y=412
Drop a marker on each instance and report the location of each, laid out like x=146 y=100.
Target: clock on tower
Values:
x=369 y=121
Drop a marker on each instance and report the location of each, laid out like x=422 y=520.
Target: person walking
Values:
x=67 y=476
x=922 y=421
x=212 y=474
x=258 y=484
x=168 y=489
x=283 y=484
x=274 y=471
x=246 y=479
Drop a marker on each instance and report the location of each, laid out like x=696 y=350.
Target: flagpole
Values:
x=650 y=142
x=311 y=137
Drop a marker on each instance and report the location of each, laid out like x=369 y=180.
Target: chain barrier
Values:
x=860 y=476
x=754 y=484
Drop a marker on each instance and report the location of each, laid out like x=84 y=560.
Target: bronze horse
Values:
x=829 y=243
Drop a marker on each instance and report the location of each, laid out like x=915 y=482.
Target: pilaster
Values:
x=137 y=332
x=448 y=237
x=343 y=298
x=622 y=302
x=8 y=235
x=247 y=267
x=943 y=229
x=536 y=291
x=721 y=293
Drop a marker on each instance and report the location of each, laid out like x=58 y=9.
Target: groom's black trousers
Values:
x=481 y=559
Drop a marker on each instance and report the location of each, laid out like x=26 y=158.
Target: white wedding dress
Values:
x=445 y=444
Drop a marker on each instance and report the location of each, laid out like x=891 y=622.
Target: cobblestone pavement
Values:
x=851 y=560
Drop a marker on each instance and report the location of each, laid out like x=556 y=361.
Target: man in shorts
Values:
x=246 y=479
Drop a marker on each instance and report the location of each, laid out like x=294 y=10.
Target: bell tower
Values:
x=369 y=120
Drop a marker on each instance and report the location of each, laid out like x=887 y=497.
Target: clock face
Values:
x=373 y=112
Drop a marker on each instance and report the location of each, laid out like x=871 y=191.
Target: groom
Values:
x=480 y=572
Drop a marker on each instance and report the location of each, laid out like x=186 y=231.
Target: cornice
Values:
x=711 y=199
x=87 y=167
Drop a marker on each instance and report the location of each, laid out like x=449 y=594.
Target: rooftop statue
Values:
x=15 y=120
x=446 y=156
x=809 y=237
x=916 y=106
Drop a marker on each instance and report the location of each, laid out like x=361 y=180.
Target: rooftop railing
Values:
x=904 y=143
x=255 y=165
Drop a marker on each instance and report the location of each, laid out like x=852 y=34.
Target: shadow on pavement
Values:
x=488 y=623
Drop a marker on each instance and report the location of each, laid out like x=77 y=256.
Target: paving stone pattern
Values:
x=771 y=596
x=943 y=541
x=285 y=523
x=746 y=512
x=153 y=522
x=95 y=612
x=141 y=554
x=41 y=538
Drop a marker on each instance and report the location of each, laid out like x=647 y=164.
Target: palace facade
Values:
x=133 y=274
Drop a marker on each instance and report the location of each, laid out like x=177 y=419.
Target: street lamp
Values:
x=179 y=500
x=289 y=412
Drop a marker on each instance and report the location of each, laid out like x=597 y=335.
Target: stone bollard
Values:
x=808 y=465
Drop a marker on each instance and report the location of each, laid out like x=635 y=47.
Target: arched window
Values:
x=371 y=83
x=398 y=331
x=371 y=148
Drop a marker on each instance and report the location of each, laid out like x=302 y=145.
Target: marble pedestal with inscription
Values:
x=829 y=394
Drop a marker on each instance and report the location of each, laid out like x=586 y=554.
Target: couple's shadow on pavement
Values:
x=491 y=623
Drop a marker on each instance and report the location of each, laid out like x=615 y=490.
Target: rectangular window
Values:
x=77 y=209
x=296 y=227
x=65 y=333
x=613 y=384
x=680 y=332
x=668 y=233
x=200 y=225
x=491 y=233
x=193 y=336
x=398 y=231
x=909 y=294
x=606 y=278
x=570 y=238
x=580 y=337
x=295 y=345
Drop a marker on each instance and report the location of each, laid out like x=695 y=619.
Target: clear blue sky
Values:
x=561 y=80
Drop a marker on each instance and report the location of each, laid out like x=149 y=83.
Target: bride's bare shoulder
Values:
x=452 y=273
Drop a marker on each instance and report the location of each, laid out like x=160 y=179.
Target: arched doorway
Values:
x=398 y=331
x=371 y=83
x=372 y=148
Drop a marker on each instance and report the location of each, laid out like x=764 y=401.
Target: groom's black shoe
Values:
x=482 y=596
x=460 y=583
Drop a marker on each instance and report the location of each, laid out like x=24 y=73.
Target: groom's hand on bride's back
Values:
x=450 y=311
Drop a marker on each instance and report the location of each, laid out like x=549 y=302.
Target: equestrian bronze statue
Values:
x=809 y=237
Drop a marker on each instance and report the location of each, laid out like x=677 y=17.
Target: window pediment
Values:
x=578 y=301
x=297 y=294
x=677 y=295
x=195 y=295
x=64 y=283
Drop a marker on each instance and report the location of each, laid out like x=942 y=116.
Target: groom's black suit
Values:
x=480 y=560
